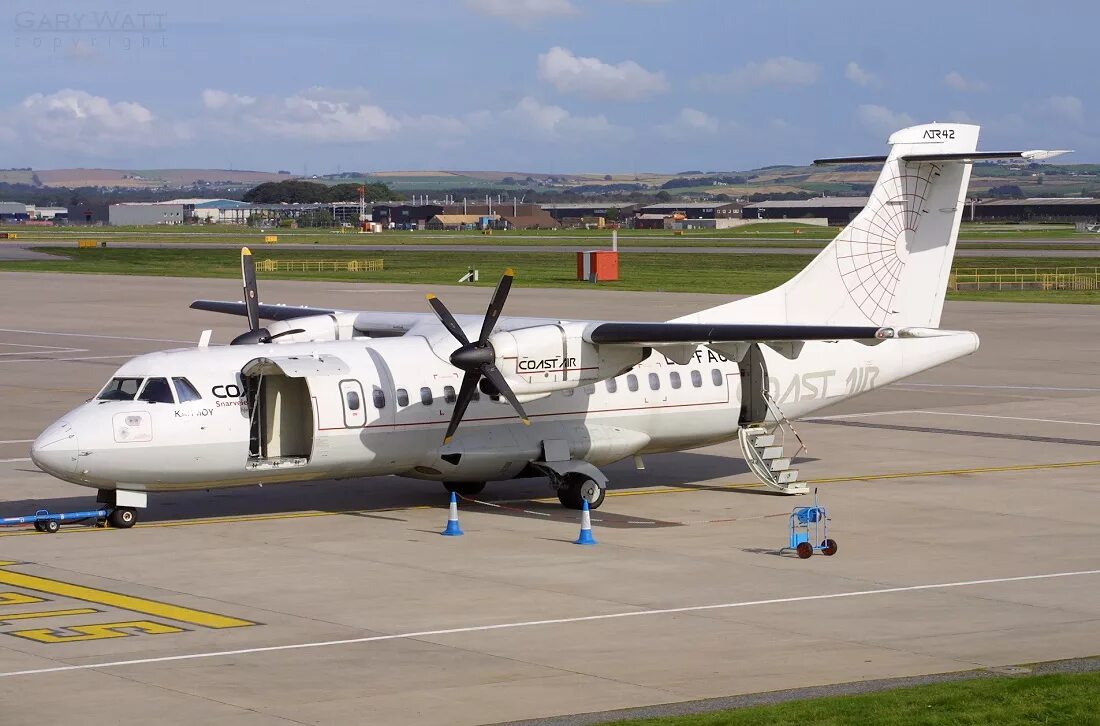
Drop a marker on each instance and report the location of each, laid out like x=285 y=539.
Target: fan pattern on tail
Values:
x=872 y=251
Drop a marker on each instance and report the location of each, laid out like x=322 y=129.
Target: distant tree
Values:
x=612 y=214
x=662 y=196
x=1006 y=191
x=508 y=180
x=295 y=191
x=607 y=177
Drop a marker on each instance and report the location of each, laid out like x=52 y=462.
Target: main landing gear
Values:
x=574 y=489
x=464 y=488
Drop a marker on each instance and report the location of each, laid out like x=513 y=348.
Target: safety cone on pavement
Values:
x=453 y=530
x=585 y=537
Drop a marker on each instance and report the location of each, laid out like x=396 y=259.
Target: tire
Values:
x=464 y=488
x=51 y=526
x=122 y=517
x=804 y=550
x=38 y=526
x=828 y=547
x=579 y=488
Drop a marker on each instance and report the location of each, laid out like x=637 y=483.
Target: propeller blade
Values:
x=293 y=331
x=466 y=393
x=490 y=371
x=447 y=319
x=251 y=294
x=496 y=305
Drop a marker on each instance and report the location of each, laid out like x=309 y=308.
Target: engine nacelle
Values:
x=547 y=358
x=316 y=328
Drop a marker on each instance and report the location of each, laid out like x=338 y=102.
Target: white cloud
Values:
x=1067 y=108
x=592 y=78
x=74 y=120
x=523 y=13
x=956 y=80
x=316 y=115
x=690 y=123
x=780 y=71
x=550 y=122
x=861 y=76
x=880 y=119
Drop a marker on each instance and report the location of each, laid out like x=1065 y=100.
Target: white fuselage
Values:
x=385 y=409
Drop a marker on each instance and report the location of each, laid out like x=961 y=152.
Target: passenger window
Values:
x=402 y=397
x=379 y=397
x=612 y=385
x=697 y=379
x=120 y=389
x=185 y=391
x=654 y=382
x=632 y=382
x=353 y=400
x=674 y=379
x=716 y=376
x=156 y=391
x=426 y=396
x=449 y=394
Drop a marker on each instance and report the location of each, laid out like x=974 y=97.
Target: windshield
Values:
x=120 y=389
x=156 y=390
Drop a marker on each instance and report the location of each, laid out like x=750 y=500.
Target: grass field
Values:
x=1049 y=699
x=728 y=274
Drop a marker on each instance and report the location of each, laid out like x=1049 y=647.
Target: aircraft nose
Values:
x=55 y=449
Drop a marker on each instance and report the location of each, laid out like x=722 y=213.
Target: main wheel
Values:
x=804 y=550
x=122 y=517
x=51 y=526
x=464 y=488
x=828 y=547
x=579 y=488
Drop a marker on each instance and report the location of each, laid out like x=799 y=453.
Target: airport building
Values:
x=838 y=210
x=696 y=210
x=576 y=215
x=1067 y=209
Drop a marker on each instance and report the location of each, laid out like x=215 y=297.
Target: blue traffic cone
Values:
x=585 y=537
x=453 y=530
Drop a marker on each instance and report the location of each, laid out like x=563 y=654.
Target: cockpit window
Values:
x=156 y=390
x=120 y=389
x=185 y=391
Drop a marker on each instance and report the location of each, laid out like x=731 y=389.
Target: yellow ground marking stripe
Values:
x=100 y=631
x=18 y=598
x=48 y=614
x=550 y=500
x=118 y=600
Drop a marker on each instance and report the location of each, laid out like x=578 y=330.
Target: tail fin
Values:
x=889 y=266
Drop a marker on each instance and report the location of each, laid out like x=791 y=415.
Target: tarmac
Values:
x=963 y=501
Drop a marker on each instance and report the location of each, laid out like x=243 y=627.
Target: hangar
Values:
x=838 y=210
x=1052 y=209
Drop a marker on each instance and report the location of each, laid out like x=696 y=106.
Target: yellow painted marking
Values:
x=18 y=598
x=118 y=600
x=245 y=251
x=102 y=631
x=47 y=614
x=430 y=296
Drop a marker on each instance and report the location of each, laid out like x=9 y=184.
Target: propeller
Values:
x=255 y=333
x=477 y=360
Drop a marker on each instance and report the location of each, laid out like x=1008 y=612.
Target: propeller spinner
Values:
x=477 y=360
x=255 y=333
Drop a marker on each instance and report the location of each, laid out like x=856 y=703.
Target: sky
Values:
x=553 y=86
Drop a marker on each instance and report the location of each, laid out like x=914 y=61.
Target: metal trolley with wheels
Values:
x=50 y=522
x=809 y=531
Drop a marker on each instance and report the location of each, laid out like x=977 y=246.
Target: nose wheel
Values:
x=122 y=517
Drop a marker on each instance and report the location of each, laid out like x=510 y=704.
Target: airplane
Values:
x=321 y=393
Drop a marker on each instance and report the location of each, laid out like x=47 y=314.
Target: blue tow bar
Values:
x=45 y=521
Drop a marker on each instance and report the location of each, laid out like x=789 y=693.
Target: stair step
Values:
x=762 y=441
x=779 y=464
x=788 y=476
x=771 y=452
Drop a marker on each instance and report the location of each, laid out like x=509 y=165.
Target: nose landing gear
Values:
x=121 y=506
x=122 y=517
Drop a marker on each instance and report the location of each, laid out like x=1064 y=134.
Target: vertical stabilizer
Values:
x=889 y=266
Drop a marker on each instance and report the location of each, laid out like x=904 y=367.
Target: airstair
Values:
x=765 y=446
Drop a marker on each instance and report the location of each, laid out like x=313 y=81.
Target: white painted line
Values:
x=537 y=623
x=17 y=441
x=946 y=413
x=14 y=461
x=90 y=335
x=1007 y=388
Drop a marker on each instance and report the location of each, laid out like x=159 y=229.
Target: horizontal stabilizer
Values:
x=267 y=312
x=966 y=157
x=664 y=333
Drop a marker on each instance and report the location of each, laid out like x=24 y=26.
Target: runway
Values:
x=963 y=501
